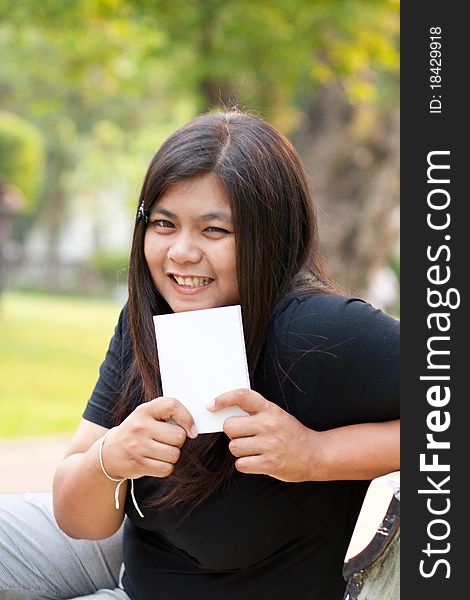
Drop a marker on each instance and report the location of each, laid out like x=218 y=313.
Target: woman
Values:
x=265 y=509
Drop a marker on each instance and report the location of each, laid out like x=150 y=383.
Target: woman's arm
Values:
x=270 y=441
x=361 y=451
x=82 y=495
x=143 y=444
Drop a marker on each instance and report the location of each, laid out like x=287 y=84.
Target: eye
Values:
x=162 y=224
x=216 y=230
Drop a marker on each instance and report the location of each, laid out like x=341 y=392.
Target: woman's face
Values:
x=190 y=246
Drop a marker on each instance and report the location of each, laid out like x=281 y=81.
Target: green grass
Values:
x=51 y=348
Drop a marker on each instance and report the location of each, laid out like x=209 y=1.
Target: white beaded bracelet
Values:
x=119 y=481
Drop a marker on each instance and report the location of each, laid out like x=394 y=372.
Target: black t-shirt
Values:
x=329 y=361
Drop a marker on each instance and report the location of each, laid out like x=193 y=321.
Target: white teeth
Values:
x=192 y=281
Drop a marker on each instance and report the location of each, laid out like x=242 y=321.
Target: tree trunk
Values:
x=53 y=214
x=352 y=158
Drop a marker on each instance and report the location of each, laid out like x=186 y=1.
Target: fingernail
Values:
x=211 y=405
x=193 y=431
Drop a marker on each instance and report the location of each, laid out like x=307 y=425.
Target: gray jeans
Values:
x=40 y=562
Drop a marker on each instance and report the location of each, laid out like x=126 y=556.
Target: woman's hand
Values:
x=145 y=443
x=272 y=442
x=269 y=440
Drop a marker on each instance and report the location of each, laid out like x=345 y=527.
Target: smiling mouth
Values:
x=192 y=282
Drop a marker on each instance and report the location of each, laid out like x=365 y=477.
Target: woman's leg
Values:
x=116 y=594
x=38 y=560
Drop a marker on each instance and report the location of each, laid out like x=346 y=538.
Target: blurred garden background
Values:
x=88 y=91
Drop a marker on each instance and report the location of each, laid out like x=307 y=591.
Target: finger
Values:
x=239 y=427
x=157 y=468
x=168 y=433
x=248 y=400
x=254 y=465
x=248 y=446
x=166 y=408
x=163 y=452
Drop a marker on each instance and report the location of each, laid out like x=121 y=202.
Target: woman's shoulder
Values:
x=331 y=315
x=122 y=326
x=120 y=343
x=325 y=304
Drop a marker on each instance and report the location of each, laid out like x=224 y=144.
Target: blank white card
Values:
x=202 y=354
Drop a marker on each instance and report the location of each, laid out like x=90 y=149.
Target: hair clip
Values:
x=142 y=213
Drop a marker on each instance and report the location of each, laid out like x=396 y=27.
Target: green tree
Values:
x=21 y=157
x=21 y=171
x=70 y=67
x=324 y=72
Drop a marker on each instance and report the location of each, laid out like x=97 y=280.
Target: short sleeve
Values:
x=332 y=361
x=100 y=408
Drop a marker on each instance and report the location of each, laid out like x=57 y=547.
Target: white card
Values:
x=202 y=354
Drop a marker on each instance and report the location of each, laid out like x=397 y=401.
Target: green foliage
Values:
x=268 y=54
x=106 y=80
x=50 y=351
x=87 y=76
x=21 y=156
x=128 y=60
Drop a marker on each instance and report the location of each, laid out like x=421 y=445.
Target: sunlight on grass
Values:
x=50 y=351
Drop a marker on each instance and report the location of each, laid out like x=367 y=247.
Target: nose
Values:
x=184 y=249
